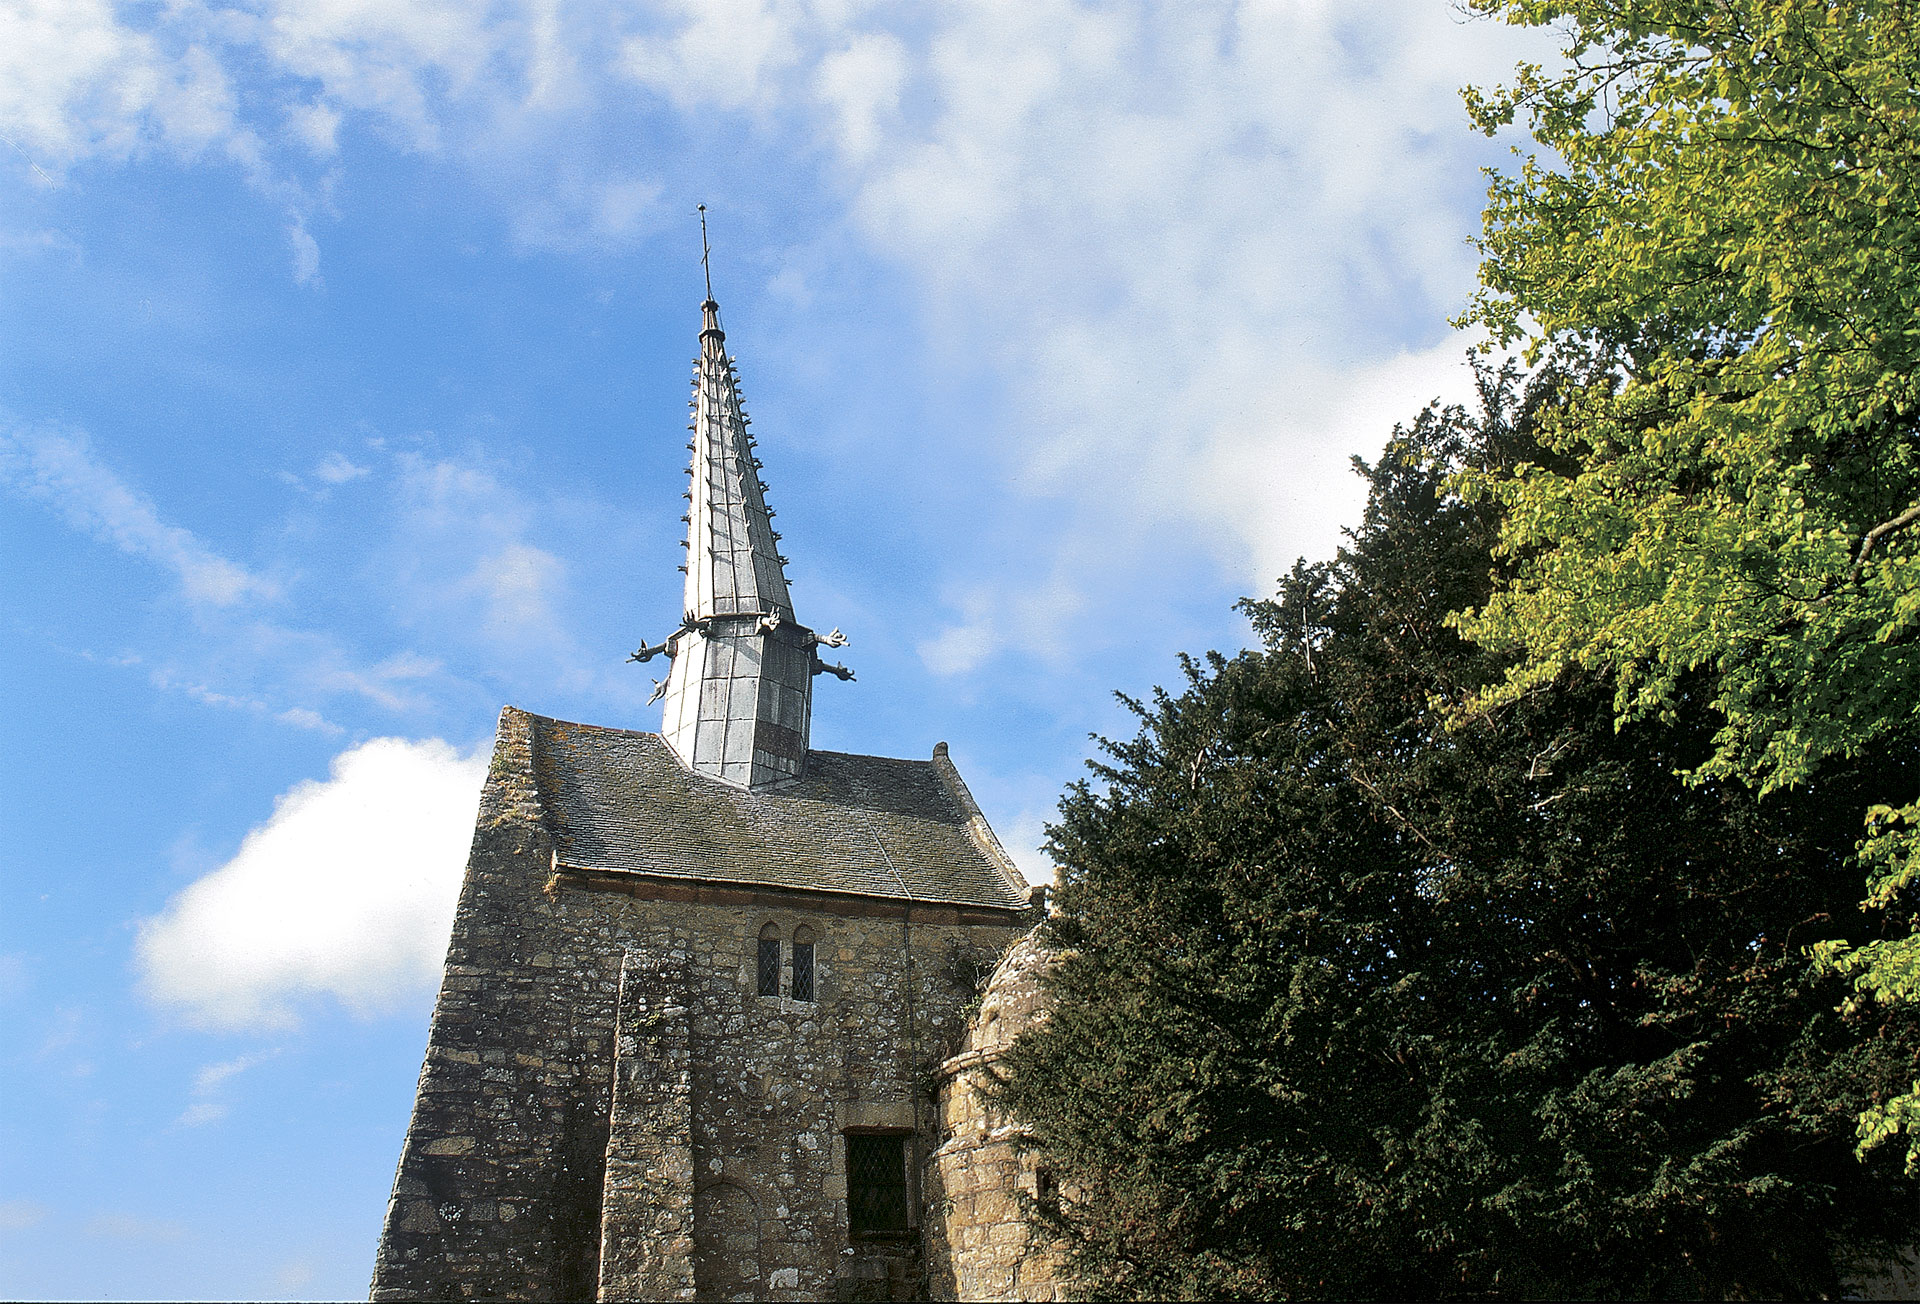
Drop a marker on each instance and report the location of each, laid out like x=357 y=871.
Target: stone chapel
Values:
x=713 y=1010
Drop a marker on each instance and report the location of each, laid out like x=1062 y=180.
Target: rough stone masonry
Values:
x=702 y=984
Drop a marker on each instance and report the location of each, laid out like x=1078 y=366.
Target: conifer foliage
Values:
x=1358 y=1004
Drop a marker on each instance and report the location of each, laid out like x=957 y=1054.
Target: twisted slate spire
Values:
x=739 y=695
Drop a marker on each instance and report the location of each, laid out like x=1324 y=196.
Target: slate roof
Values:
x=615 y=799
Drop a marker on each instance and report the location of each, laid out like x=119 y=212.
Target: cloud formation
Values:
x=18 y=1215
x=346 y=892
x=60 y=467
x=76 y=81
x=1192 y=241
x=209 y=1103
x=134 y=1227
x=1210 y=248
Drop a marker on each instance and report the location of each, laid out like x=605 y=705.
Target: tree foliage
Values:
x=1357 y=1004
x=1723 y=242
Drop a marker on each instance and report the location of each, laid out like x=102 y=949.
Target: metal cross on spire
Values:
x=739 y=692
x=704 y=268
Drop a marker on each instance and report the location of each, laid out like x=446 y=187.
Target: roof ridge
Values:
x=621 y=800
x=654 y=733
x=977 y=827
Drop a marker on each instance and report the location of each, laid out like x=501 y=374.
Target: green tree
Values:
x=1724 y=242
x=1357 y=1004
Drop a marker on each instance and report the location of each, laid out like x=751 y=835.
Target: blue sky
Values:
x=344 y=352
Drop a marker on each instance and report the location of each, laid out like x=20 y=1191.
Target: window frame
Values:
x=767 y=961
x=805 y=967
x=866 y=1138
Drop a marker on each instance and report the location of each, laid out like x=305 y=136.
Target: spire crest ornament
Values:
x=705 y=269
x=739 y=692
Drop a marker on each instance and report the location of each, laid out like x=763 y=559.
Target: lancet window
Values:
x=803 y=963
x=769 y=961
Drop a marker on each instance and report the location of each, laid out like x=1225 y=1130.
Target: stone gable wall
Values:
x=498 y=1189
x=578 y=1025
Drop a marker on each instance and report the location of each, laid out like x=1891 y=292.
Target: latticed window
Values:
x=876 y=1183
x=769 y=961
x=803 y=963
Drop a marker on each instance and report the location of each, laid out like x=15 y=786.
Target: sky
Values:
x=344 y=354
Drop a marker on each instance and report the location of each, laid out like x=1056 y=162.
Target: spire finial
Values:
x=704 y=268
x=739 y=695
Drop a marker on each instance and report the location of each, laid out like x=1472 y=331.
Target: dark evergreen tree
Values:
x=1362 y=1001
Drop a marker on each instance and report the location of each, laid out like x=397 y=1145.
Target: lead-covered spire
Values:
x=733 y=563
x=739 y=694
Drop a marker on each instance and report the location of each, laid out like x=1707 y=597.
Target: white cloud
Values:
x=1022 y=840
x=729 y=53
x=1033 y=614
x=132 y=1227
x=303 y=664
x=346 y=892
x=18 y=1215
x=40 y=242
x=302 y=718
x=1209 y=248
x=962 y=647
x=621 y=208
x=87 y=77
x=60 y=467
x=862 y=83
x=584 y=208
x=91 y=79
x=516 y=584
x=468 y=560
x=296 y=1273
x=202 y=1112
x=233 y=658
x=306 y=252
x=208 y=1102
x=14 y=977
x=338 y=468
x=1182 y=232
x=76 y=81
x=317 y=126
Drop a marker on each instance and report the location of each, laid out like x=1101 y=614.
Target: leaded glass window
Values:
x=769 y=961
x=876 y=1183
x=803 y=963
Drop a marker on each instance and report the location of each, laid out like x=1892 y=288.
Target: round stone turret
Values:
x=980 y=1245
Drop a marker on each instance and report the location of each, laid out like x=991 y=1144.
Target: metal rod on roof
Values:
x=706 y=270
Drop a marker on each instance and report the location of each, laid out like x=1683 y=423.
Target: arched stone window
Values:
x=803 y=963
x=769 y=961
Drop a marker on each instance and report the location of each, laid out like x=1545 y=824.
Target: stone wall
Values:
x=646 y=1193
x=524 y=1133
x=980 y=1178
x=499 y=1184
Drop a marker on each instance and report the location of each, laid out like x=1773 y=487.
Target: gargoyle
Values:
x=648 y=651
x=829 y=667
